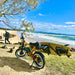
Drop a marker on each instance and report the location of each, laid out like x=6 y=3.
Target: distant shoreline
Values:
x=11 y=29
x=38 y=31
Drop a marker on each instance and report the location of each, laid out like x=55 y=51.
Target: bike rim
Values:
x=21 y=53
x=38 y=60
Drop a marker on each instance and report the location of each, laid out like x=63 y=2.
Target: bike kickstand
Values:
x=31 y=64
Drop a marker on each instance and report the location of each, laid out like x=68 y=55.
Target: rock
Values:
x=11 y=49
x=5 y=47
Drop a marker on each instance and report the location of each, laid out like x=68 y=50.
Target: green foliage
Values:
x=16 y=7
x=27 y=27
x=4 y=47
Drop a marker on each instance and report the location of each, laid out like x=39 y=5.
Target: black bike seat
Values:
x=34 y=44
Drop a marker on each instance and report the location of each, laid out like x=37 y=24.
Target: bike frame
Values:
x=32 y=50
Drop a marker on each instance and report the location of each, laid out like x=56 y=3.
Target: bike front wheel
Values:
x=20 y=53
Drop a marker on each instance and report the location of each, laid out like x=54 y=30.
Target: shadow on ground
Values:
x=16 y=64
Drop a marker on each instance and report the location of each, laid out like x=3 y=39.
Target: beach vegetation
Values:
x=27 y=27
x=60 y=65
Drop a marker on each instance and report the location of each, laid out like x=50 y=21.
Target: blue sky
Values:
x=56 y=16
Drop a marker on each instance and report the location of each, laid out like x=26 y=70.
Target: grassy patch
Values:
x=60 y=65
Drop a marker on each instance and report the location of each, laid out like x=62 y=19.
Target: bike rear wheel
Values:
x=39 y=60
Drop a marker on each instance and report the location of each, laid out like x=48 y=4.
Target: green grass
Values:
x=60 y=65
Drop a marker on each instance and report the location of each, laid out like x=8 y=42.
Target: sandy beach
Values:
x=11 y=65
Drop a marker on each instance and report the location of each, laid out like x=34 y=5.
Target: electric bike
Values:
x=30 y=50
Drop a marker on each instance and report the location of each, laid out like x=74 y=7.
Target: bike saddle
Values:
x=34 y=44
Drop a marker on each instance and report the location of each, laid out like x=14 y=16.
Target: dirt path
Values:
x=11 y=65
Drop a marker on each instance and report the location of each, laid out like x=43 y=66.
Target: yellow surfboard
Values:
x=56 y=49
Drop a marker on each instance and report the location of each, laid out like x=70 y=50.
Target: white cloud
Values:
x=52 y=27
x=40 y=14
x=69 y=22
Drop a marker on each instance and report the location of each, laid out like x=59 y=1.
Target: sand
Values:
x=11 y=65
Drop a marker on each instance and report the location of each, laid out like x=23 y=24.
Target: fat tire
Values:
x=42 y=57
x=18 y=55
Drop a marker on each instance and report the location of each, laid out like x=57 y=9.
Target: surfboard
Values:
x=56 y=49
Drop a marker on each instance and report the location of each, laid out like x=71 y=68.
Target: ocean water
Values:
x=58 y=35
x=53 y=37
x=56 y=38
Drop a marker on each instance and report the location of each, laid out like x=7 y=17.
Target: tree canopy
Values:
x=17 y=7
